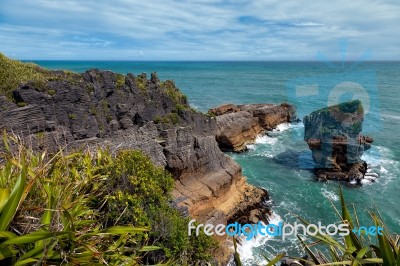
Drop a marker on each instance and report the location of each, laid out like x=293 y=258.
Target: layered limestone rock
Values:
x=333 y=135
x=239 y=125
x=102 y=108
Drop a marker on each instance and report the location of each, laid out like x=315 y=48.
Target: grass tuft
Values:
x=13 y=73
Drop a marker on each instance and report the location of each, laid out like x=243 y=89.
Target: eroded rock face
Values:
x=102 y=108
x=235 y=130
x=333 y=135
x=239 y=125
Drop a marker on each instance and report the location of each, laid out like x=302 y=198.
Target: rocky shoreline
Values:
x=105 y=109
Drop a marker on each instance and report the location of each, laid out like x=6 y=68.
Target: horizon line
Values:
x=216 y=61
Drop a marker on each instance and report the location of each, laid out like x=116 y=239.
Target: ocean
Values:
x=281 y=160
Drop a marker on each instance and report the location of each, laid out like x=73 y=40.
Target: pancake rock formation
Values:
x=333 y=134
x=106 y=109
x=239 y=125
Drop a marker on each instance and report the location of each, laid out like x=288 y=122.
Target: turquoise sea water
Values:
x=280 y=162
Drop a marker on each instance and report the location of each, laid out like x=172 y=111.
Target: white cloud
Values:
x=201 y=29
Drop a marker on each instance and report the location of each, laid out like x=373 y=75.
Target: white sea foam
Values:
x=272 y=140
x=245 y=248
x=365 y=181
x=194 y=106
x=383 y=170
x=329 y=194
x=283 y=127
x=266 y=140
x=380 y=161
x=251 y=146
x=268 y=154
x=393 y=117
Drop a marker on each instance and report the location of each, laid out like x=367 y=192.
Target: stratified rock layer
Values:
x=102 y=108
x=333 y=135
x=239 y=125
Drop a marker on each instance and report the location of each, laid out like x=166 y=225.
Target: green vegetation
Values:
x=179 y=108
x=325 y=131
x=13 y=73
x=357 y=127
x=354 y=249
x=157 y=119
x=174 y=93
x=40 y=134
x=120 y=82
x=93 y=110
x=351 y=107
x=90 y=208
x=168 y=119
x=105 y=106
x=211 y=114
x=51 y=92
x=72 y=116
x=354 y=106
x=141 y=82
x=21 y=104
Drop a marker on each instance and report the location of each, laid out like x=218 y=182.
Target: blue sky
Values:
x=199 y=29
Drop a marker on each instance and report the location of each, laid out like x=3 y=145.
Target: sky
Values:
x=200 y=29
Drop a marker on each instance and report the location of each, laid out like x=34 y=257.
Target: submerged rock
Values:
x=333 y=136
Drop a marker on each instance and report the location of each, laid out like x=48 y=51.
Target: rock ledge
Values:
x=239 y=125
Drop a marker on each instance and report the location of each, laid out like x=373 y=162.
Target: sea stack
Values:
x=333 y=134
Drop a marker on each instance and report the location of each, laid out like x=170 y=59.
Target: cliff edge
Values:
x=60 y=109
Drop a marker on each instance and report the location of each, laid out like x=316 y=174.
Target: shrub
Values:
x=139 y=196
x=157 y=119
x=168 y=119
x=59 y=224
x=141 y=82
x=21 y=104
x=85 y=208
x=51 y=92
x=352 y=249
x=179 y=108
x=72 y=116
x=173 y=92
x=120 y=81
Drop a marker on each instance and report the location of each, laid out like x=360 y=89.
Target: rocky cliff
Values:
x=102 y=108
x=333 y=135
x=239 y=125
